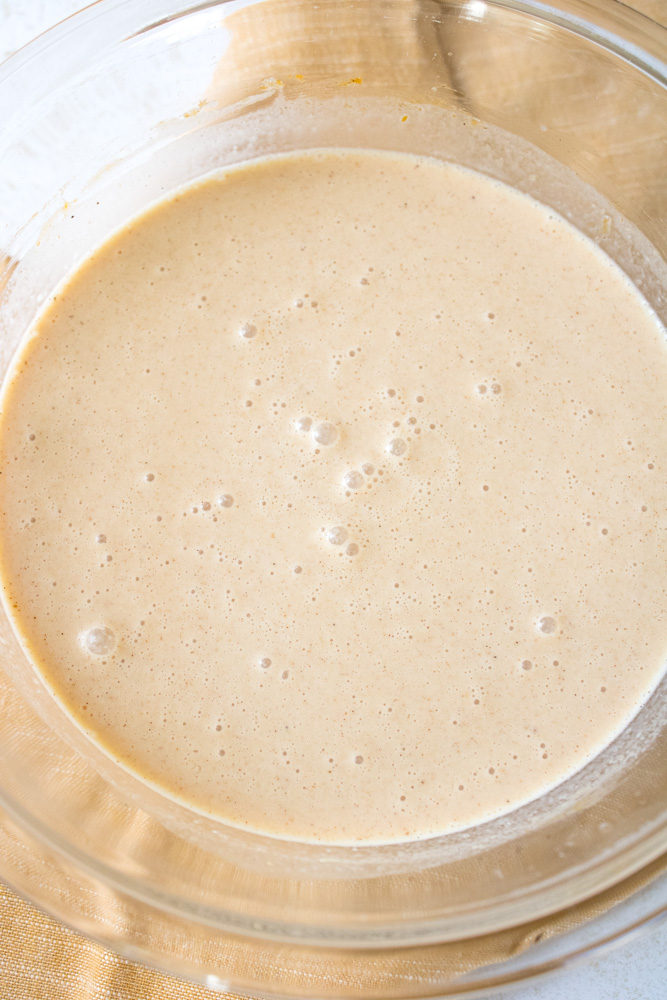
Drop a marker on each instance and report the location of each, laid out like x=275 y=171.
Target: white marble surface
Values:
x=635 y=969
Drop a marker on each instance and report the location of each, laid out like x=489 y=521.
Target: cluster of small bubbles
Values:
x=265 y=663
x=303 y=424
x=226 y=500
x=352 y=549
x=101 y=539
x=368 y=469
x=397 y=446
x=353 y=480
x=99 y=640
x=325 y=433
x=546 y=624
x=248 y=330
x=337 y=535
x=526 y=665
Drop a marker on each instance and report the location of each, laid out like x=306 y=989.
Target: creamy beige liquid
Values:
x=333 y=497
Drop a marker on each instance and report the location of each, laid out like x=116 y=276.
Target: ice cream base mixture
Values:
x=333 y=497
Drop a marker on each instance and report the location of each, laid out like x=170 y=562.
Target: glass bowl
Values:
x=102 y=115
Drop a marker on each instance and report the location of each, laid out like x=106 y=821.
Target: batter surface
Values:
x=333 y=497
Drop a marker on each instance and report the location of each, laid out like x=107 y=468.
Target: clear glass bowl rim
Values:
x=622 y=30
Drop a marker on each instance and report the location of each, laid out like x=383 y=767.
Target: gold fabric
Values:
x=42 y=960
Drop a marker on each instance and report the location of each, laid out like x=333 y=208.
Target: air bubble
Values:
x=397 y=447
x=248 y=330
x=226 y=500
x=352 y=549
x=298 y=569
x=325 y=433
x=547 y=625
x=353 y=480
x=368 y=469
x=358 y=759
x=481 y=389
x=496 y=389
x=149 y=477
x=526 y=665
x=303 y=424
x=337 y=535
x=99 y=640
x=265 y=663
x=101 y=539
